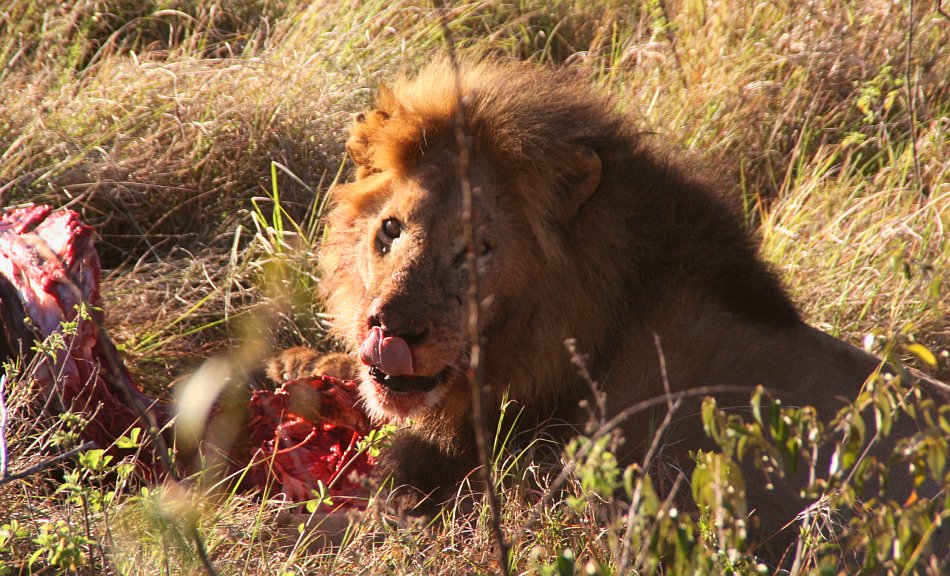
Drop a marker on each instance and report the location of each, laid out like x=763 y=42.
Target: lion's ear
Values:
x=363 y=132
x=386 y=99
x=582 y=172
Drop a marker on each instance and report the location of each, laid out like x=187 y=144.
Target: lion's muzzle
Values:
x=390 y=354
x=390 y=363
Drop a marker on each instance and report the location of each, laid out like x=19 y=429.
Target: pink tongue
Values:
x=390 y=354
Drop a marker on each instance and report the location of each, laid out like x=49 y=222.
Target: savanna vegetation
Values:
x=202 y=139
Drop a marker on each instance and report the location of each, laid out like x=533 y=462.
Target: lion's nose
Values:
x=394 y=320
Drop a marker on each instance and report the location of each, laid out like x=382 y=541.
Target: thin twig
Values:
x=4 y=190
x=7 y=478
x=614 y=422
x=671 y=38
x=474 y=372
x=599 y=411
x=676 y=396
x=941 y=11
x=911 y=97
x=800 y=545
x=664 y=375
x=672 y=406
x=664 y=509
x=3 y=428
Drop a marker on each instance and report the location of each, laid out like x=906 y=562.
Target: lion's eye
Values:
x=392 y=228
x=389 y=231
x=484 y=249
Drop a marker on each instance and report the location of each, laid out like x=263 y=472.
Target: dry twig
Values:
x=474 y=372
x=46 y=463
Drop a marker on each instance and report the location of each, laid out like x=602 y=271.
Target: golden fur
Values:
x=585 y=233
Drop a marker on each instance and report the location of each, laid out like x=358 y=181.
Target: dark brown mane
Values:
x=526 y=124
x=526 y=117
x=521 y=116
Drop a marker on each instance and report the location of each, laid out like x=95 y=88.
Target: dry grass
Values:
x=161 y=121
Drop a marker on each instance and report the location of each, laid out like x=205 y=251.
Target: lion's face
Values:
x=401 y=277
x=395 y=266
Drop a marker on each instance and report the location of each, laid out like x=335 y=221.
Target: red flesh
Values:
x=49 y=266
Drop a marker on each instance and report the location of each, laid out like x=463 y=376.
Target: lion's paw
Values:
x=302 y=362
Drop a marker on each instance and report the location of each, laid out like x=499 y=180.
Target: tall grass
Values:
x=201 y=138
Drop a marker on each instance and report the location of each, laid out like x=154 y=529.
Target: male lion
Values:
x=584 y=232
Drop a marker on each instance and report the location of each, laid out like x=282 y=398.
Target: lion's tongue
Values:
x=390 y=354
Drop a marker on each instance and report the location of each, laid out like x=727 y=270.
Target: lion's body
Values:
x=585 y=233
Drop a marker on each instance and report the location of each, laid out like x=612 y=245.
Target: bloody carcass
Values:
x=303 y=434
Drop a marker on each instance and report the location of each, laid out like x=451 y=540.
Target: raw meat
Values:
x=304 y=433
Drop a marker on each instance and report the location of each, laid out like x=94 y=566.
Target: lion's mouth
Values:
x=404 y=383
x=390 y=397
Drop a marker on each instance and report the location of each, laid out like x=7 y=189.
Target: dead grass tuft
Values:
x=200 y=138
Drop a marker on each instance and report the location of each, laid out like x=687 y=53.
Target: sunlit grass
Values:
x=202 y=140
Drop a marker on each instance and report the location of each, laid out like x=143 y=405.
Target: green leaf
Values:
x=709 y=418
x=566 y=562
x=854 y=443
x=756 y=403
x=922 y=353
x=94 y=460
x=130 y=441
x=936 y=457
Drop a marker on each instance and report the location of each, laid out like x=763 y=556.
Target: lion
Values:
x=583 y=232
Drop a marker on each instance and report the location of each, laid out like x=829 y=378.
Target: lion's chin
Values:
x=384 y=403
